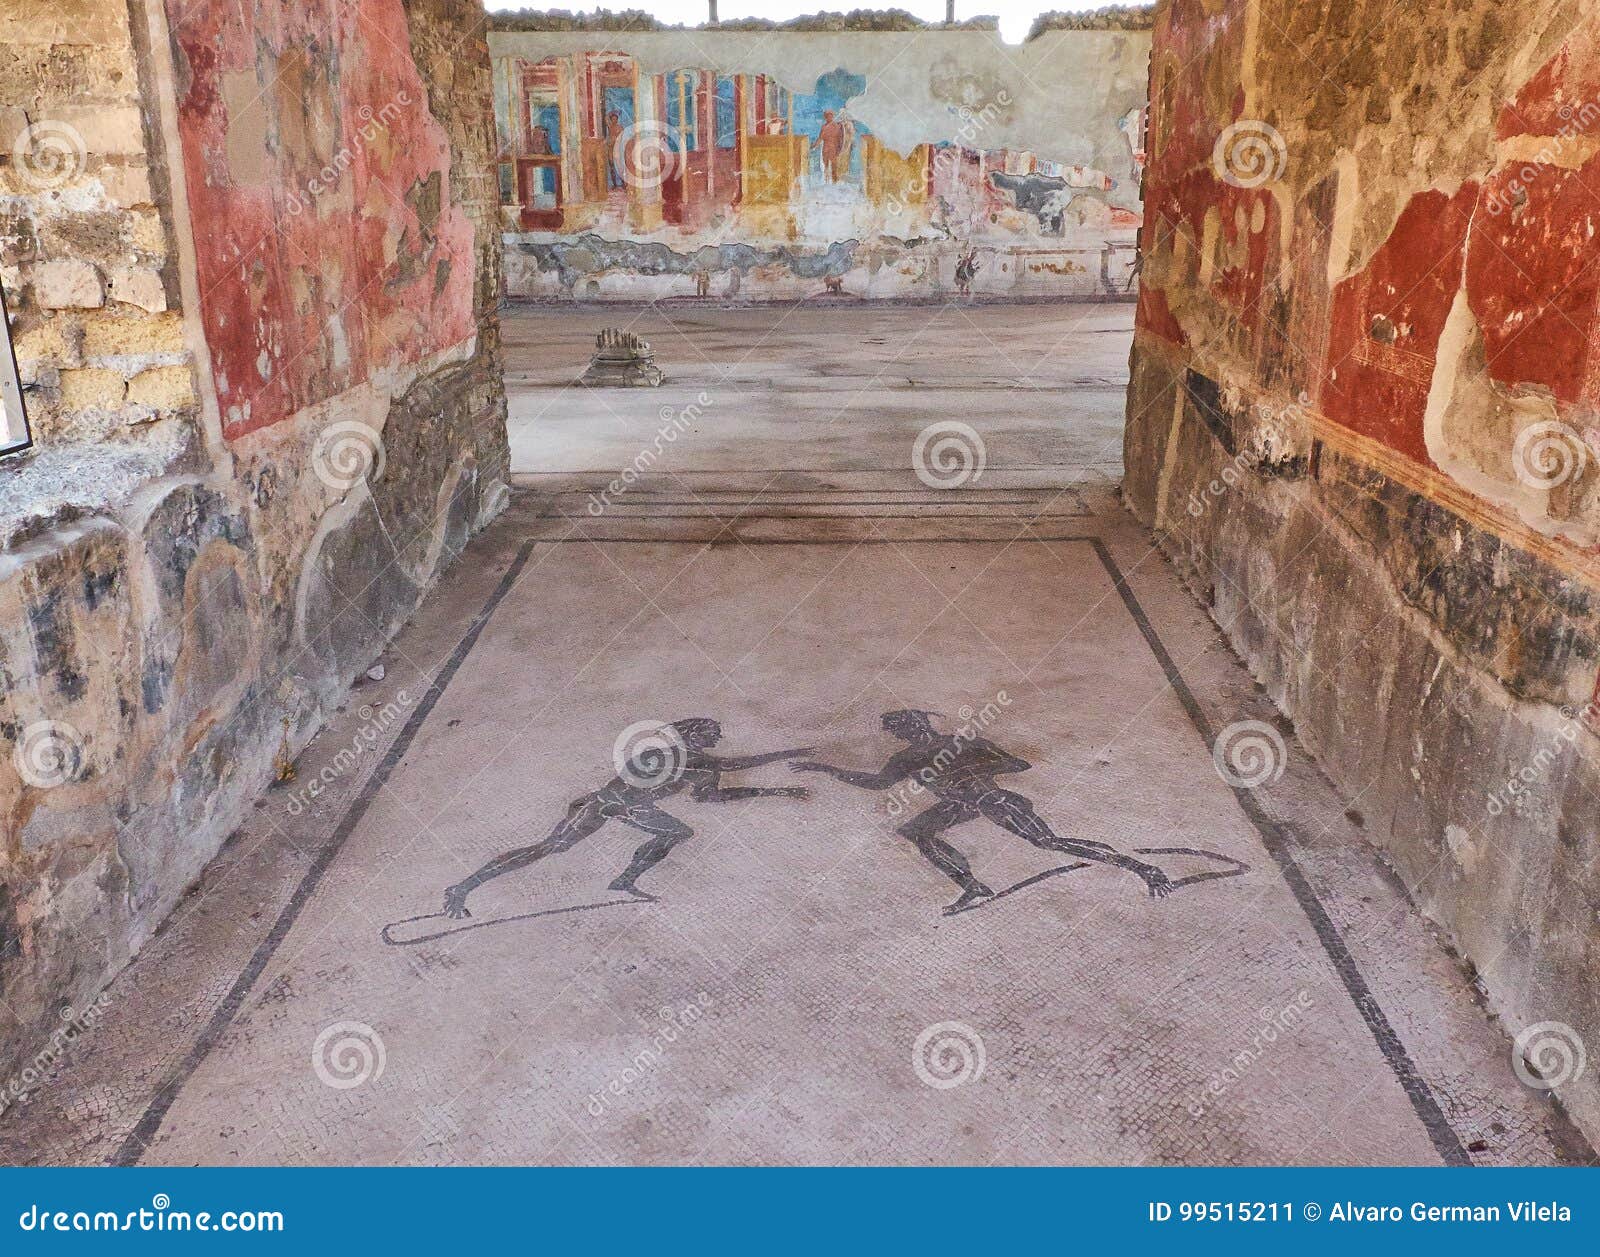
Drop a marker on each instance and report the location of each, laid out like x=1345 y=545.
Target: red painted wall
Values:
x=1376 y=385
x=1523 y=243
x=319 y=185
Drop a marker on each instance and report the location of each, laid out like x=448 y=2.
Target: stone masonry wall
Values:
x=254 y=270
x=1362 y=420
x=87 y=260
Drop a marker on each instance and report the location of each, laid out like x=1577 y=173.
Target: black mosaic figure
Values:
x=652 y=774
x=960 y=772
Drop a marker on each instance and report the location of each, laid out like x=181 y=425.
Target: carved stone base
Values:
x=622 y=360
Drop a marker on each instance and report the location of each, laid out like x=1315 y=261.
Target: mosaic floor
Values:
x=524 y=923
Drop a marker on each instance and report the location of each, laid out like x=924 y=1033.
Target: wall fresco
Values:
x=1365 y=418
x=331 y=248
x=187 y=594
x=784 y=179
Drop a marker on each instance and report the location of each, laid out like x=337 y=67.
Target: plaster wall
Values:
x=1362 y=418
x=775 y=164
x=269 y=410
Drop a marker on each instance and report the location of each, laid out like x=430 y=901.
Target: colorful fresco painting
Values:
x=622 y=182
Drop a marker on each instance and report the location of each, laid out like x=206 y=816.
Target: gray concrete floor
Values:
x=795 y=993
x=821 y=389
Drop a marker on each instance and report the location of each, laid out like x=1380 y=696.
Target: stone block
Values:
x=127 y=186
x=41 y=75
x=106 y=130
x=146 y=234
x=92 y=388
x=123 y=334
x=13 y=121
x=98 y=22
x=137 y=286
x=163 y=388
x=68 y=284
x=56 y=342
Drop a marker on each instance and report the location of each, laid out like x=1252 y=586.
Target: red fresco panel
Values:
x=1380 y=389
x=330 y=249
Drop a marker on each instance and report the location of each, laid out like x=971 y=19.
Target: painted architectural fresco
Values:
x=625 y=180
x=329 y=249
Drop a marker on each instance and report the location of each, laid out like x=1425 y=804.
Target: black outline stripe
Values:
x=722 y=538
x=775 y=502
x=740 y=515
x=138 y=1139
x=1443 y=1135
x=992 y=471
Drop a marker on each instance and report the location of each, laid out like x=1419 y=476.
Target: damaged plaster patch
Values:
x=1476 y=429
x=590 y=254
x=68 y=481
x=1461 y=848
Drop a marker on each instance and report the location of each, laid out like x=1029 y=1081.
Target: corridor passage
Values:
x=1173 y=944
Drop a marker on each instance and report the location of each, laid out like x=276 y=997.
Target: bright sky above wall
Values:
x=1016 y=16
